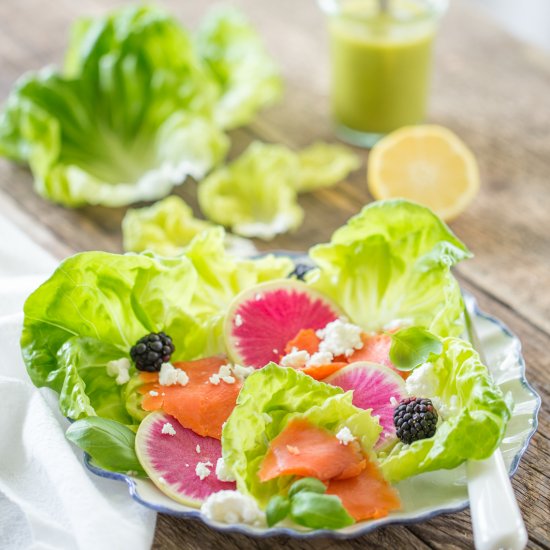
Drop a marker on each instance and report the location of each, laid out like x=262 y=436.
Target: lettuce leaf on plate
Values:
x=97 y=305
x=167 y=227
x=221 y=276
x=255 y=195
x=269 y=398
x=247 y=79
x=392 y=264
x=91 y=311
x=475 y=421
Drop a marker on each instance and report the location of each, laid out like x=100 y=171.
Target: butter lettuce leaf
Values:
x=167 y=227
x=392 y=264
x=474 y=427
x=131 y=116
x=255 y=195
x=221 y=276
x=324 y=164
x=246 y=76
x=96 y=305
x=91 y=311
x=270 y=397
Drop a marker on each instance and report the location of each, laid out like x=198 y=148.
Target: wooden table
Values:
x=490 y=89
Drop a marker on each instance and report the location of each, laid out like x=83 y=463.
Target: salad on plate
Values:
x=266 y=394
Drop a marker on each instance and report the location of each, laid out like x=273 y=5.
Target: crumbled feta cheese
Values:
x=202 y=469
x=293 y=450
x=340 y=338
x=320 y=358
x=230 y=374
x=232 y=507
x=296 y=359
x=422 y=382
x=169 y=375
x=198 y=449
x=186 y=465
x=223 y=473
x=167 y=428
x=118 y=369
x=241 y=372
x=153 y=393
x=225 y=373
x=345 y=436
x=225 y=370
x=238 y=320
x=162 y=480
x=275 y=351
x=258 y=297
x=393 y=401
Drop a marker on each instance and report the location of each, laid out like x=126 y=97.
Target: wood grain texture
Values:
x=492 y=90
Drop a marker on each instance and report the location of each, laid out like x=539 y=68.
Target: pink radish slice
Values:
x=171 y=460
x=262 y=320
x=373 y=387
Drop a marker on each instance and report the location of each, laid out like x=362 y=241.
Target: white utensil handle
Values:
x=496 y=518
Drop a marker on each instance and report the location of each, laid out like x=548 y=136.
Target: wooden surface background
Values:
x=490 y=89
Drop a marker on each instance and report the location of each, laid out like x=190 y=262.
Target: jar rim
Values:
x=436 y=8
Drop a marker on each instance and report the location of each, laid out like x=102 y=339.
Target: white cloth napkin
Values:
x=48 y=500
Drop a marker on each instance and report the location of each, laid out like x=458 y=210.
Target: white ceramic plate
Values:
x=423 y=496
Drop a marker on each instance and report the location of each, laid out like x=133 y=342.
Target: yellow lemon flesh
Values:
x=427 y=164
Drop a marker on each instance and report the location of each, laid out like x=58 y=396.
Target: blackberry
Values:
x=415 y=418
x=300 y=270
x=151 y=351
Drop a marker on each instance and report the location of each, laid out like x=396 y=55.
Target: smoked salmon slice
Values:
x=322 y=371
x=303 y=449
x=199 y=405
x=367 y=495
x=305 y=340
x=376 y=349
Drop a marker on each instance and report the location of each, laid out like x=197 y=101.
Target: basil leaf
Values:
x=277 y=509
x=410 y=347
x=319 y=511
x=310 y=484
x=109 y=443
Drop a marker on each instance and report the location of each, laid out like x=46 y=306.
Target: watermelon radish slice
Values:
x=373 y=387
x=170 y=460
x=262 y=319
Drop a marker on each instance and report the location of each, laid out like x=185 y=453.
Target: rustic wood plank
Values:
x=477 y=91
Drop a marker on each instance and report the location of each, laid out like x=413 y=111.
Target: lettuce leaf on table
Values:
x=474 y=428
x=246 y=77
x=255 y=195
x=135 y=110
x=272 y=396
x=392 y=263
x=97 y=305
x=324 y=164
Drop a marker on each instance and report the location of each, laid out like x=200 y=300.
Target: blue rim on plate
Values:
x=505 y=359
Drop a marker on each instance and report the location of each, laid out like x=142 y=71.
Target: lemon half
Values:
x=427 y=164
